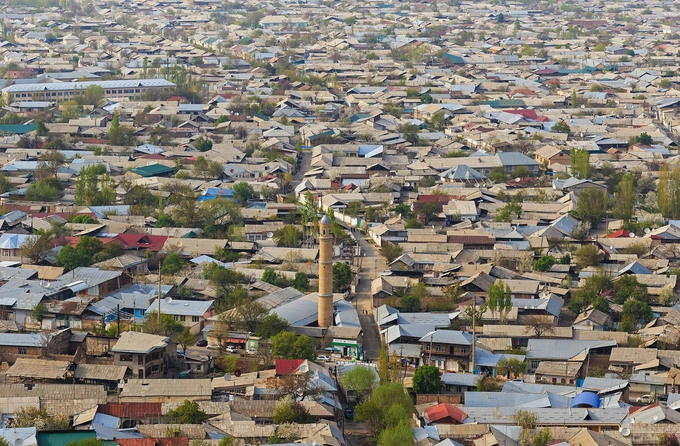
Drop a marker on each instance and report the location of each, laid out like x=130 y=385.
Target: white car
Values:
x=230 y=349
x=213 y=347
x=323 y=358
x=251 y=352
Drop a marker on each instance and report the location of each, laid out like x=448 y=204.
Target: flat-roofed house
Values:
x=143 y=353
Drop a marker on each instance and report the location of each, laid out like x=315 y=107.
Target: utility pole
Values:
x=474 y=332
x=159 y=296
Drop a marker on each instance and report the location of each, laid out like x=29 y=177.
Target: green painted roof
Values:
x=17 y=129
x=507 y=103
x=62 y=438
x=152 y=170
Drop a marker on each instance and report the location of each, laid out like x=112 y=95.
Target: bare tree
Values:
x=539 y=325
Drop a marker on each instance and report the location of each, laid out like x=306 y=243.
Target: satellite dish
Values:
x=270 y=234
x=624 y=431
x=647 y=230
x=631 y=235
x=518 y=179
x=237 y=373
x=476 y=184
x=168 y=300
x=227 y=376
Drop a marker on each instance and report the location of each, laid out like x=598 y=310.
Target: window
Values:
x=195 y=318
x=438 y=348
x=125 y=358
x=427 y=346
x=182 y=318
x=554 y=380
x=22 y=351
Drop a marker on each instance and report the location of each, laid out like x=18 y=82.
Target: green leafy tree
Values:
x=94 y=187
x=499 y=299
x=561 y=127
x=186 y=338
x=342 y=277
x=36 y=248
x=625 y=197
x=588 y=255
x=85 y=442
x=243 y=192
x=634 y=312
x=511 y=367
x=86 y=248
x=301 y=281
x=271 y=325
x=580 y=163
x=38 y=418
x=45 y=189
x=360 y=380
x=410 y=304
x=172 y=264
x=288 y=410
x=383 y=365
x=39 y=311
x=544 y=263
x=115 y=132
x=387 y=406
x=288 y=236
x=168 y=325
x=288 y=345
x=41 y=129
x=668 y=192
x=427 y=380
x=591 y=206
x=391 y=251
x=203 y=144
x=189 y=412
x=401 y=434
x=644 y=138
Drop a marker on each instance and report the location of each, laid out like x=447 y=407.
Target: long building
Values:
x=62 y=91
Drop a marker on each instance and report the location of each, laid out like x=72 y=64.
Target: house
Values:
x=447 y=349
x=550 y=155
x=32 y=345
x=593 y=319
x=444 y=413
x=143 y=353
x=165 y=390
x=190 y=313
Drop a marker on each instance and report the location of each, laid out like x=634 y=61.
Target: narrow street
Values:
x=371 y=265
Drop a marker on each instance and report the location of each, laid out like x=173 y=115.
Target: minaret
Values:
x=325 y=299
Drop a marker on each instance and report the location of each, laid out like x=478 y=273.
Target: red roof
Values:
x=138 y=241
x=131 y=410
x=443 y=411
x=285 y=366
x=529 y=114
x=619 y=233
x=436 y=198
x=170 y=441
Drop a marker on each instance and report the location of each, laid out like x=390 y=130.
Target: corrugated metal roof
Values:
x=72 y=86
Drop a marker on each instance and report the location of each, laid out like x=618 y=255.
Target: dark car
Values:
x=202 y=343
x=349 y=413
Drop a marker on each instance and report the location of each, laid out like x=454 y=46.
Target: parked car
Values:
x=645 y=399
x=214 y=347
x=202 y=343
x=251 y=352
x=230 y=349
x=349 y=413
x=323 y=358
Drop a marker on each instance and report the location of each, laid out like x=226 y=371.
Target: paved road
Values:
x=371 y=266
x=305 y=165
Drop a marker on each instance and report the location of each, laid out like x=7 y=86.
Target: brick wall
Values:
x=447 y=398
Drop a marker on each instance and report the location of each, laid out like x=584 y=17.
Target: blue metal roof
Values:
x=586 y=399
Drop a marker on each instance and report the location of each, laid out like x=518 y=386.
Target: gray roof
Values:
x=505 y=399
x=549 y=416
x=563 y=349
x=135 y=342
x=178 y=307
x=460 y=379
x=448 y=337
x=22 y=339
x=91 y=276
x=71 y=86
x=416 y=331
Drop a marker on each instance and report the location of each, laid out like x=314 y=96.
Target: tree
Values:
x=561 y=127
x=527 y=421
x=383 y=365
x=243 y=192
x=538 y=325
x=88 y=190
x=168 y=325
x=85 y=442
x=591 y=206
x=288 y=410
x=186 y=338
x=271 y=325
x=188 y=412
x=633 y=313
x=410 y=133
x=625 y=198
x=499 y=299
x=301 y=281
x=36 y=248
x=427 y=380
x=666 y=439
x=360 y=380
x=38 y=418
x=342 y=277
x=288 y=236
x=644 y=138
x=288 y=345
x=203 y=144
x=627 y=286
x=544 y=263
x=40 y=128
x=45 y=189
x=71 y=258
x=410 y=304
x=172 y=264
x=668 y=192
x=39 y=312
x=588 y=255
x=391 y=251
x=511 y=367
x=403 y=209
x=388 y=406
x=93 y=95
x=401 y=434
x=115 y=132
x=580 y=163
